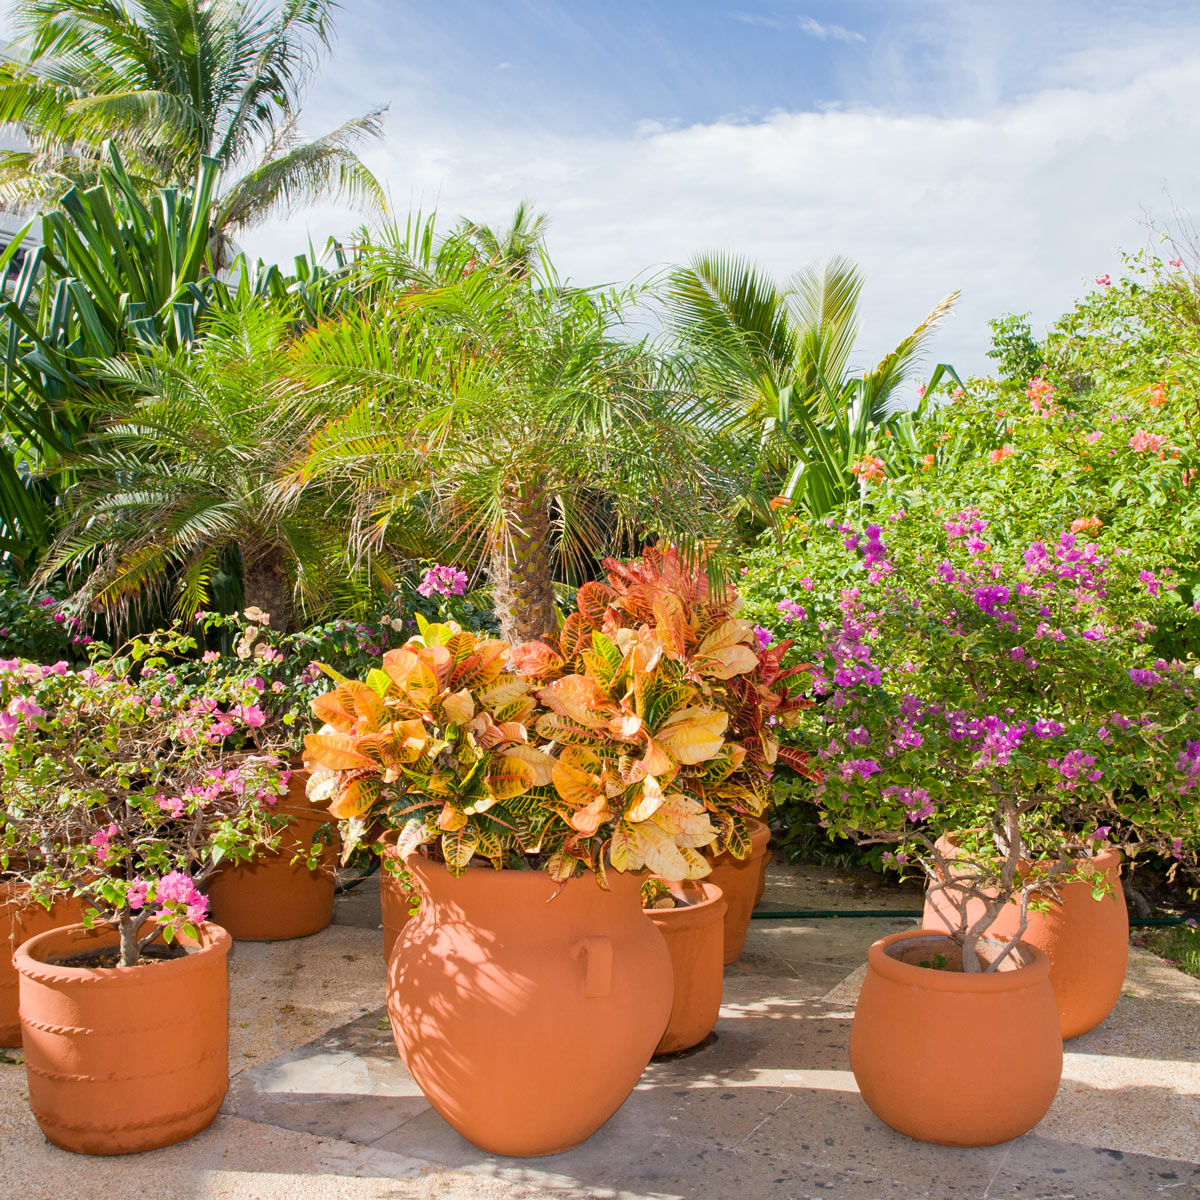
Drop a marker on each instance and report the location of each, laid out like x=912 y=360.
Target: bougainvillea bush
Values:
x=446 y=743
x=125 y=784
x=670 y=605
x=1015 y=692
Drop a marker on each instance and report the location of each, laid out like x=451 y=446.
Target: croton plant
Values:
x=643 y=737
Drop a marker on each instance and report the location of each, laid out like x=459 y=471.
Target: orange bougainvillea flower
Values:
x=869 y=467
x=1081 y=524
x=1158 y=394
x=928 y=462
x=778 y=502
x=1000 y=454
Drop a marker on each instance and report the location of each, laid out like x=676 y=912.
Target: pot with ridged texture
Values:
x=21 y=919
x=124 y=1059
x=526 y=1011
x=740 y=881
x=271 y=898
x=695 y=935
x=953 y=1058
x=1086 y=939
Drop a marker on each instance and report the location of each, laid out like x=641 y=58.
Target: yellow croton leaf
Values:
x=590 y=817
x=459 y=707
x=658 y=851
x=624 y=850
x=509 y=776
x=686 y=820
x=451 y=818
x=727 y=662
x=578 y=776
x=502 y=692
x=693 y=735
x=539 y=762
x=647 y=804
x=655 y=761
x=728 y=633
x=355 y=796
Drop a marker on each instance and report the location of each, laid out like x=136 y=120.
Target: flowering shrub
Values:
x=126 y=786
x=965 y=686
x=37 y=626
x=448 y=744
x=671 y=608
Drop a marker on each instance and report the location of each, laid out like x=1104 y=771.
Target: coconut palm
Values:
x=185 y=475
x=500 y=412
x=172 y=82
x=778 y=355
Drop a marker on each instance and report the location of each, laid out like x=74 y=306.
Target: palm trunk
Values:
x=522 y=571
x=265 y=585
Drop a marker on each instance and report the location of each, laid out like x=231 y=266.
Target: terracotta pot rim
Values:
x=1031 y=975
x=421 y=866
x=710 y=907
x=1106 y=859
x=214 y=940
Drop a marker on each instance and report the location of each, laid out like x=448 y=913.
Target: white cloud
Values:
x=757 y=19
x=828 y=33
x=1019 y=207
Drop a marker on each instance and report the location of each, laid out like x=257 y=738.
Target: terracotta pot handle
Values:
x=598 y=952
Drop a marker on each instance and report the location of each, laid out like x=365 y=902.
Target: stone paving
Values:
x=321 y=1106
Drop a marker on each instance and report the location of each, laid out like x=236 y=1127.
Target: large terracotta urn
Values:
x=526 y=1012
x=952 y=1058
x=124 y=1059
x=271 y=897
x=695 y=934
x=1086 y=939
x=20 y=919
x=741 y=881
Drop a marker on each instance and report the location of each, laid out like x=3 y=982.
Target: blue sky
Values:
x=1005 y=149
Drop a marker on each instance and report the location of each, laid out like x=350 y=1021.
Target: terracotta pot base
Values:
x=950 y=1058
x=124 y=1059
x=526 y=1013
x=695 y=937
x=741 y=881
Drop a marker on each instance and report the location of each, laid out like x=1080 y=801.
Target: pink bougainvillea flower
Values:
x=446 y=581
x=1104 y=280
x=1000 y=454
x=1141 y=442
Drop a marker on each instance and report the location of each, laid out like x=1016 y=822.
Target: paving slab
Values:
x=320 y=1105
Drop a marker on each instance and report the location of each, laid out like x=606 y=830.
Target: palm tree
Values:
x=186 y=475
x=778 y=355
x=502 y=416
x=172 y=82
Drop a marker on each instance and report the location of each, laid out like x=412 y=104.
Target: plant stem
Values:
x=128 y=926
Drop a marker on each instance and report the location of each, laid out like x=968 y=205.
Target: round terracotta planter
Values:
x=1086 y=941
x=695 y=937
x=21 y=919
x=950 y=1058
x=526 y=1016
x=741 y=881
x=273 y=898
x=395 y=900
x=762 y=877
x=121 y=1060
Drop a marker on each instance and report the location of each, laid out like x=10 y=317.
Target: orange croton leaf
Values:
x=578 y=775
x=509 y=776
x=355 y=795
x=537 y=660
x=694 y=735
x=338 y=751
x=329 y=709
x=577 y=698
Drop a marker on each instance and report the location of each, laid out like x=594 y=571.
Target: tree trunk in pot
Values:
x=522 y=569
x=265 y=585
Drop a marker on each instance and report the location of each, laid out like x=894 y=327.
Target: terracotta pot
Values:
x=21 y=919
x=695 y=936
x=762 y=877
x=395 y=900
x=1086 y=941
x=272 y=898
x=124 y=1059
x=740 y=880
x=956 y=1059
x=526 y=1016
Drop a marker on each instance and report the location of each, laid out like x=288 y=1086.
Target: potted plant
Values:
x=527 y=815
x=997 y=700
x=734 y=667
x=119 y=788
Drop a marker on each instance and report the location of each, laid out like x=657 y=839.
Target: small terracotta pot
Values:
x=762 y=877
x=395 y=900
x=695 y=937
x=124 y=1059
x=740 y=881
x=21 y=919
x=272 y=898
x=526 y=1012
x=1086 y=940
x=951 y=1058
